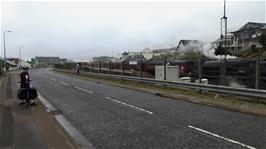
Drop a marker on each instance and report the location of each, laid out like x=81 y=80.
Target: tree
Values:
x=1 y=67
x=221 y=51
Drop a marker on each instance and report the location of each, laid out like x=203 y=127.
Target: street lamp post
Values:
x=20 y=55
x=5 y=46
x=223 y=68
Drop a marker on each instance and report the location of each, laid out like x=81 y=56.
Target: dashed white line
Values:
x=53 y=79
x=83 y=90
x=129 y=105
x=64 y=83
x=221 y=137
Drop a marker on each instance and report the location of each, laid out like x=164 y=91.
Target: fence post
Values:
x=164 y=69
x=140 y=68
x=200 y=70
x=123 y=67
x=110 y=65
x=100 y=66
x=257 y=82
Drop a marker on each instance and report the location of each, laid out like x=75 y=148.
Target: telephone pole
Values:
x=224 y=63
x=20 y=55
x=5 y=45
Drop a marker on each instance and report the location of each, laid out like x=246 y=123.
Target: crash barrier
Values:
x=212 y=88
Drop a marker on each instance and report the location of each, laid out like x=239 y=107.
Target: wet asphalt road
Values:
x=114 y=117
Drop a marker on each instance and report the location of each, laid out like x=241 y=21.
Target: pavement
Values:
x=111 y=117
x=27 y=128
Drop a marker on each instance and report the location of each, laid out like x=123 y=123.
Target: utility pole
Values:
x=223 y=66
x=5 y=45
x=20 y=56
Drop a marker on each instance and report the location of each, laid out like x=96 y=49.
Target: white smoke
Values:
x=236 y=85
x=207 y=49
x=233 y=83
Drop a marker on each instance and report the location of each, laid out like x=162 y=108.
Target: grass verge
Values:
x=233 y=103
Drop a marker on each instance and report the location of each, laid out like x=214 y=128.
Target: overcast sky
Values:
x=80 y=30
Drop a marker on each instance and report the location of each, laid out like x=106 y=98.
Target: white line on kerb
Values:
x=129 y=105
x=64 y=83
x=83 y=90
x=53 y=79
x=221 y=137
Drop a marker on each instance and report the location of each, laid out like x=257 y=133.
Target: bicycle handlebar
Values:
x=29 y=81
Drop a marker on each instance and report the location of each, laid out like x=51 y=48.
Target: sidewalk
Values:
x=27 y=128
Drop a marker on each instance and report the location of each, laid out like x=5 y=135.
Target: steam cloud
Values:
x=207 y=49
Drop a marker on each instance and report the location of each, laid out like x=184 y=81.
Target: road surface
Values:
x=117 y=118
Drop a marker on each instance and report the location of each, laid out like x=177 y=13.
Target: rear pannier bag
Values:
x=22 y=93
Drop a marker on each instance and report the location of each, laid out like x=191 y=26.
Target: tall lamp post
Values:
x=5 y=45
x=223 y=68
x=20 y=55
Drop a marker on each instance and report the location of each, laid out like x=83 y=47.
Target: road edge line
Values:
x=66 y=125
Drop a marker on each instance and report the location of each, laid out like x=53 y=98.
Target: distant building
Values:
x=125 y=55
x=134 y=53
x=8 y=62
x=46 y=61
x=229 y=42
x=136 y=58
x=146 y=53
x=188 y=44
x=247 y=37
x=158 y=52
x=63 y=60
x=18 y=63
x=14 y=60
x=11 y=65
x=104 y=59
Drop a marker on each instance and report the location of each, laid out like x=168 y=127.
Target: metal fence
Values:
x=239 y=73
x=200 y=87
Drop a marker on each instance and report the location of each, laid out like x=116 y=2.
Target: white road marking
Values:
x=48 y=106
x=64 y=83
x=129 y=105
x=69 y=128
x=221 y=137
x=83 y=90
x=53 y=79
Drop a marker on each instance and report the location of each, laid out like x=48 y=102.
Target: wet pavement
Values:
x=23 y=127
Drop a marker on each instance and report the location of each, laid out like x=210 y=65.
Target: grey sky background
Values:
x=81 y=30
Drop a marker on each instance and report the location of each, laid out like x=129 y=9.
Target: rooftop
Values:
x=252 y=25
x=48 y=59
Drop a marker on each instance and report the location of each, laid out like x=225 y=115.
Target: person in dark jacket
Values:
x=24 y=78
x=25 y=82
